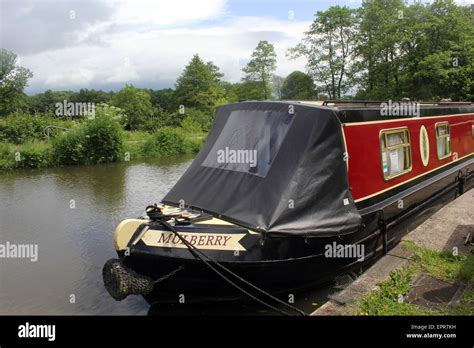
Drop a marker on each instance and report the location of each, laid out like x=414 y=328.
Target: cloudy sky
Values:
x=104 y=44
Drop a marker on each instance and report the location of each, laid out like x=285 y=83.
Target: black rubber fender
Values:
x=120 y=281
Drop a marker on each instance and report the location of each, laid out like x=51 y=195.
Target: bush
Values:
x=29 y=155
x=68 y=148
x=166 y=141
x=103 y=140
x=20 y=128
x=191 y=125
x=34 y=155
x=194 y=116
x=95 y=141
x=7 y=157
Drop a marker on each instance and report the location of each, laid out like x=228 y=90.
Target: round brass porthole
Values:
x=424 y=146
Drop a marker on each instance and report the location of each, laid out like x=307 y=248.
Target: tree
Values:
x=249 y=90
x=260 y=68
x=90 y=96
x=298 y=86
x=420 y=51
x=438 y=51
x=13 y=80
x=199 y=86
x=379 y=39
x=136 y=104
x=329 y=49
x=164 y=98
x=46 y=102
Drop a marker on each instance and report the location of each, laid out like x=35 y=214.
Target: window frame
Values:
x=448 y=135
x=406 y=145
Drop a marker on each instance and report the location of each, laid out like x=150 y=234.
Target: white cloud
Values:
x=156 y=57
x=166 y=12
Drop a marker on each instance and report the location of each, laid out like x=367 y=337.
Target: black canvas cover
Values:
x=275 y=167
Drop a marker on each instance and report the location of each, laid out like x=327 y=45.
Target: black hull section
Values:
x=385 y=224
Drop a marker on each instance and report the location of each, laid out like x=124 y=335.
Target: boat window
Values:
x=443 y=140
x=249 y=141
x=396 y=152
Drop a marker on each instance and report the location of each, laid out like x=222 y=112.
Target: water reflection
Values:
x=70 y=213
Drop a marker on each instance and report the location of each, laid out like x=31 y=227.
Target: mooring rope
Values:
x=202 y=256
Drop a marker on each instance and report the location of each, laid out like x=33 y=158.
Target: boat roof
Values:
x=349 y=111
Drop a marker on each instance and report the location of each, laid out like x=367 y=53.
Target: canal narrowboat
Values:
x=284 y=196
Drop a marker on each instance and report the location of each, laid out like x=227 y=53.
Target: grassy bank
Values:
x=23 y=143
x=389 y=299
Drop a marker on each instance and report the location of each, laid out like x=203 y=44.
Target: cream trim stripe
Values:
x=404 y=182
x=349 y=124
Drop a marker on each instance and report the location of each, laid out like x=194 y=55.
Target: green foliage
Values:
x=229 y=91
x=13 y=80
x=69 y=147
x=191 y=125
x=7 y=156
x=90 y=96
x=329 y=47
x=202 y=119
x=441 y=265
x=34 y=155
x=298 y=86
x=98 y=140
x=164 y=99
x=386 y=300
x=136 y=104
x=261 y=66
x=420 y=51
x=46 y=102
x=103 y=140
x=199 y=86
x=19 y=128
x=249 y=90
x=166 y=141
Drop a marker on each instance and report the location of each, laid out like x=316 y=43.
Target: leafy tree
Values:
x=249 y=90
x=46 y=102
x=13 y=80
x=260 y=68
x=90 y=96
x=135 y=103
x=164 y=98
x=229 y=90
x=329 y=49
x=379 y=41
x=298 y=85
x=438 y=51
x=199 y=86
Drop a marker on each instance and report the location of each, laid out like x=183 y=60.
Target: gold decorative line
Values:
x=404 y=119
x=404 y=182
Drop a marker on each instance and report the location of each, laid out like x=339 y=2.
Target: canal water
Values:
x=70 y=213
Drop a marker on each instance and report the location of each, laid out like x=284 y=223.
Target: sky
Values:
x=105 y=44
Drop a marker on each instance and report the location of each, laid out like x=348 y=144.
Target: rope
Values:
x=202 y=256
